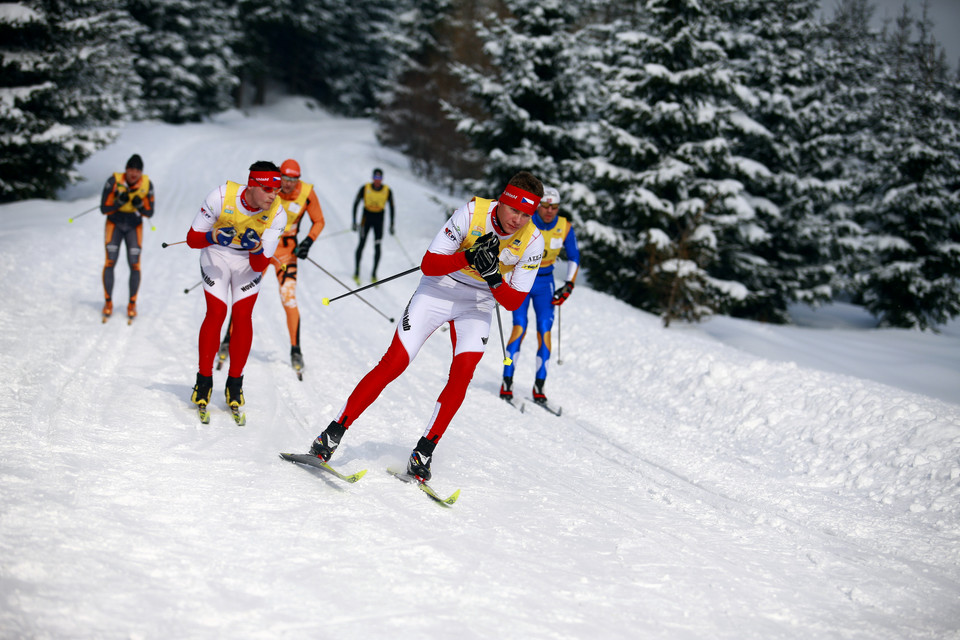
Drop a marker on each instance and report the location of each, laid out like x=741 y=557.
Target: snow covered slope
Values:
x=691 y=489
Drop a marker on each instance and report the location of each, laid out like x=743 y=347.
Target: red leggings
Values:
x=391 y=365
x=241 y=334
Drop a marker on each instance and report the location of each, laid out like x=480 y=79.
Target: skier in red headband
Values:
x=488 y=252
x=238 y=230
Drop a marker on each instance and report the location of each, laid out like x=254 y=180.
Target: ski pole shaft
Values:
x=324 y=236
x=409 y=259
x=170 y=244
x=559 y=312
x=372 y=284
x=503 y=346
x=193 y=287
x=326 y=301
x=83 y=214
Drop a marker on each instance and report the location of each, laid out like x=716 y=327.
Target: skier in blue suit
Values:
x=557 y=234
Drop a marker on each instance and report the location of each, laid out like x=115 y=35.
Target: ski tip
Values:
x=453 y=497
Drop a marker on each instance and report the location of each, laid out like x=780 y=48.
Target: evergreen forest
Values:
x=715 y=156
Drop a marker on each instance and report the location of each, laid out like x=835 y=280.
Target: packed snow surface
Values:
x=723 y=480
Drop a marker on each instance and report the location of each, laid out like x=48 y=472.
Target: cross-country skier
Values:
x=296 y=198
x=127 y=198
x=375 y=196
x=237 y=229
x=487 y=252
x=557 y=234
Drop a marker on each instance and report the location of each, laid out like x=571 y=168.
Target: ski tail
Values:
x=311 y=460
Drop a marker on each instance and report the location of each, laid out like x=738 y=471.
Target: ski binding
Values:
x=238 y=416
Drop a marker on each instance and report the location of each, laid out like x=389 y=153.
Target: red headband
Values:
x=264 y=179
x=520 y=200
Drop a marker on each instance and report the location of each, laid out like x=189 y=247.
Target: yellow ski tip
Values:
x=326 y=302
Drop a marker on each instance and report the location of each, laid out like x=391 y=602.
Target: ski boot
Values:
x=506 y=389
x=296 y=359
x=328 y=441
x=202 y=390
x=418 y=464
x=107 y=310
x=373 y=278
x=234 y=392
x=131 y=311
x=538 y=395
x=356 y=278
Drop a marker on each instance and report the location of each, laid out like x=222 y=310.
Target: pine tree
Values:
x=62 y=80
x=769 y=46
x=333 y=50
x=842 y=148
x=412 y=116
x=663 y=177
x=911 y=210
x=185 y=57
x=530 y=93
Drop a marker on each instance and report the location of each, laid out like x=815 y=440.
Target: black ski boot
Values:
x=234 y=391
x=202 y=390
x=538 y=395
x=296 y=359
x=328 y=441
x=418 y=464
x=506 y=389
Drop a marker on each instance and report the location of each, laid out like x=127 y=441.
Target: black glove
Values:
x=137 y=202
x=493 y=278
x=353 y=226
x=250 y=240
x=304 y=248
x=121 y=197
x=561 y=294
x=484 y=243
x=487 y=263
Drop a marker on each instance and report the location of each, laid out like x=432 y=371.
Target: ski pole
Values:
x=193 y=287
x=503 y=346
x=559 y=312
x=324 y=236
x=327 y=301
x=170 y=244
x=403 y=250
x=83 y=214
